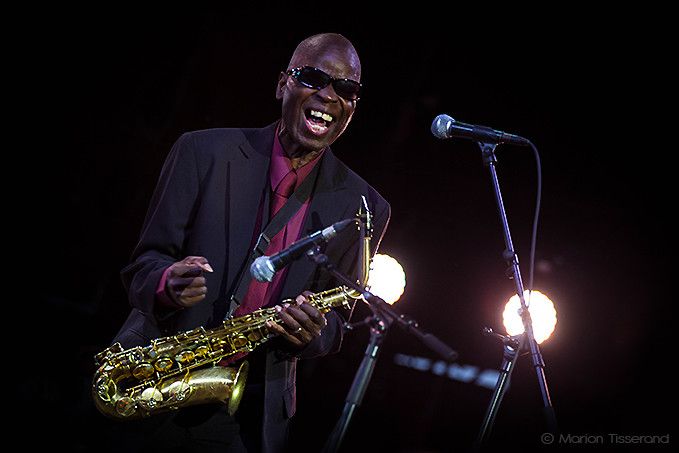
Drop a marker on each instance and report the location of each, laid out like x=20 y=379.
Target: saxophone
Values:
x=183 y=370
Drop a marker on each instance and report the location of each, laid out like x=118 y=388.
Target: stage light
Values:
x=542 y=313
x=386 y=279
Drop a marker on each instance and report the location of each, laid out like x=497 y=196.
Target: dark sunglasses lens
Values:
x=348 y=89
x=317 y=79
x=314 y=78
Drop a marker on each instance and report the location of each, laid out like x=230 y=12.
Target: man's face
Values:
x=313 y=119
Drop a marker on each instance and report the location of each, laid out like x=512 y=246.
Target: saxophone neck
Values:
x=365 y=234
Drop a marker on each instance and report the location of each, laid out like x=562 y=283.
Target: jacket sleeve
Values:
x=165 y=228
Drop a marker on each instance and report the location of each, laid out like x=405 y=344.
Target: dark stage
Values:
x=117 y=92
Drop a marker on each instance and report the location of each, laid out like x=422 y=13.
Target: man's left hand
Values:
x=300 y=322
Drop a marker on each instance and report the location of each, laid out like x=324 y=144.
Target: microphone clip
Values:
x=510 y=341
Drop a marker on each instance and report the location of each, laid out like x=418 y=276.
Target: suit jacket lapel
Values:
x=248 y=179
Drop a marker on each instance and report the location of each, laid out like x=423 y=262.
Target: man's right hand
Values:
x=185 y=283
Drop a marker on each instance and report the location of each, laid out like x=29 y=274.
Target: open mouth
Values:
x=317 y=122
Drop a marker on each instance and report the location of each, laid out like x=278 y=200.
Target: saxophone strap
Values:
x=275 y=225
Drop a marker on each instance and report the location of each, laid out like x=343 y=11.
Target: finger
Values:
x=279 y=330
x=299 y=300
x=186 y=270
x=193 y=291
x=316 y=316
x=200 y=261
x=289 y=322
x=304 y=321
x=187 y=282
x=294 y=327
x=313 y=314
x=190 y=301
x=205 y=267
x=304 y=297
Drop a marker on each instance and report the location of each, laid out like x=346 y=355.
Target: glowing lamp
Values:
x=386 y=278
x=542 y=313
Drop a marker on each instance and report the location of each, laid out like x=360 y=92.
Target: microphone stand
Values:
x=510 y=256
x=378 y=331
x=383 y=316
x=511 y=347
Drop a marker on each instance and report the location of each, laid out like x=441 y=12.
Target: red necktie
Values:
x=257 y=291
x=256 y=295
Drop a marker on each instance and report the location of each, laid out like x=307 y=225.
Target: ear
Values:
x=282 y=80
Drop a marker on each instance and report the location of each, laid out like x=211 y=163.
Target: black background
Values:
x=111 y=93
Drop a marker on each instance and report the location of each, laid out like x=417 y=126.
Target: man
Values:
x=216 y=193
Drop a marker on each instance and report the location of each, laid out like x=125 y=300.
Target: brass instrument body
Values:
x=182 y=370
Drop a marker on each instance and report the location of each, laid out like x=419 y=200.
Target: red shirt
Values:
x=280 y=166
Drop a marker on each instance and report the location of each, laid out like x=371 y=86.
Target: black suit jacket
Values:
x=205 y=204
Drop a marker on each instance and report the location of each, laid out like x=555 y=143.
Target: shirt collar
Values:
x=281 y=164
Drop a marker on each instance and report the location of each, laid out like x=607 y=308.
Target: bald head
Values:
x=322 y=45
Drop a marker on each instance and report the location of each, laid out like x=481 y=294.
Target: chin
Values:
x=312 y=143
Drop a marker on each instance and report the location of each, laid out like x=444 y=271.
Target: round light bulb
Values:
x=386 y=278
x=542 y=313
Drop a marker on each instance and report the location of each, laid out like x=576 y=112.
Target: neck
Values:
x=298 y=155
x=299 y=161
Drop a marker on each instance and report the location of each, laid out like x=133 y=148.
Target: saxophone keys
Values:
x=126 y=406
x=151 y=397
x=202 y=351
x=185 y=357
x=239 y=341
x=107 y=353
x=254 y=335
x=163 y=364
x=135 y=355
x=143 y=371
x=105 y=388
x=180 y=391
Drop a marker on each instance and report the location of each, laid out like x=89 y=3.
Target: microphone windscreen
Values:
x=441 y=125
x=262 y=270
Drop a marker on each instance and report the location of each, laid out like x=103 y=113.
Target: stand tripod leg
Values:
x=508 y=362
x=358 y=387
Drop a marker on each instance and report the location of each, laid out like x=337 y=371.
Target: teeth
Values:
x=323 y=116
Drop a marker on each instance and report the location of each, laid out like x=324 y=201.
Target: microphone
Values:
x=446 y=127
x=264 y=267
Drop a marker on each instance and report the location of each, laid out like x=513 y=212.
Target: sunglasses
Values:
x=315 y=78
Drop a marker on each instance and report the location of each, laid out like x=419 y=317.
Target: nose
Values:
x=328 y=93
